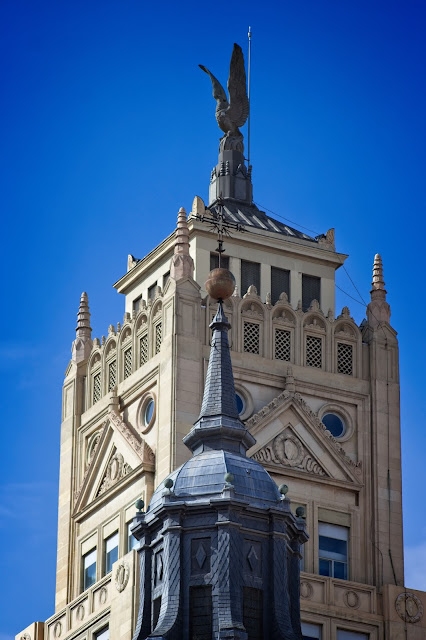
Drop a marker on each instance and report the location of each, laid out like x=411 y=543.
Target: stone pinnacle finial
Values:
x=378 y=282
x=182 y=265
x=378 y=310
x=83 y=327
x=82 y=344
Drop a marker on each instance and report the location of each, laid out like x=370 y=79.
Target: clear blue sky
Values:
x=108 y=127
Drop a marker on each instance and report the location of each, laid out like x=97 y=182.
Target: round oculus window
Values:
x=334 y=424
x=240 y=403
x=149 y=412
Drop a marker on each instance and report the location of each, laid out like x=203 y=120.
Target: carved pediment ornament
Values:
x=137 y=443
x=252 y=312
x=316 y=325
x=280 y=400
x=282 y=318
x=116 y=470
x=134 y=440
x=286 y=449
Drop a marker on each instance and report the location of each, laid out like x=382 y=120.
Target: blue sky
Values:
x=108 y=128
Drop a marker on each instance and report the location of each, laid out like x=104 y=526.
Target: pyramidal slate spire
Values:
x=218 y=425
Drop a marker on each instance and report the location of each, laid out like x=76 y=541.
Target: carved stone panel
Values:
x=409 y=607
x=286 y=449
x=116 y=470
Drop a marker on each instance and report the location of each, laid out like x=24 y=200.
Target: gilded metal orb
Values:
x=220 y=284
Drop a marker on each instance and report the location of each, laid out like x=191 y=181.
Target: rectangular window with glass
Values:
x=342 y=634
x=89 y=569
x=103 y=634
x=280 y=283
x=111 y=551
x=131 y=540
x=333 y=550
x=311 y=290
x=214 y=261
x=311 y=631
x=250 y=274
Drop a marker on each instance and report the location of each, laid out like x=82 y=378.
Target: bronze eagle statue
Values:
x=232 y=114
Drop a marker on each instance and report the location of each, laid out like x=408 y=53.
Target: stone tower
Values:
x=318 y=404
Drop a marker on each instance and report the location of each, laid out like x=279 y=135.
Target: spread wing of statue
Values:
x=232 y=114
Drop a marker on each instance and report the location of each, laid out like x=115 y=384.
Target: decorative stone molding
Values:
x=57 y=629
x=351 y=599
x=317 y=324
x=122 y=574
x=80 y=613
x=280 y=400
x=92 y=445
x=356 y=466
x=116 y=470
x=286 y=449
x=103 y=595
x=251 y=291
x=283 y=318
x=251 y=311
x=409 y=607
x=137 y=443
x=306 y=590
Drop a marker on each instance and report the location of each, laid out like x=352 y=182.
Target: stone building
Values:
x=319 y=394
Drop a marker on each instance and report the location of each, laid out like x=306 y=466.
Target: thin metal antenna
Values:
x=248 y=95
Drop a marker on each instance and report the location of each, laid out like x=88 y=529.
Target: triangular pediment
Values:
x=117 y=451
x=288 y=450
x=291 y=436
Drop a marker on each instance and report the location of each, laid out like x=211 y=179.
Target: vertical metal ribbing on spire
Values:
x=219 y=390
x=83 y=328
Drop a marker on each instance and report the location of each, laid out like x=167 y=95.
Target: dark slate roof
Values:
x=251 y=217
x=219 y=391
x=203 y=476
